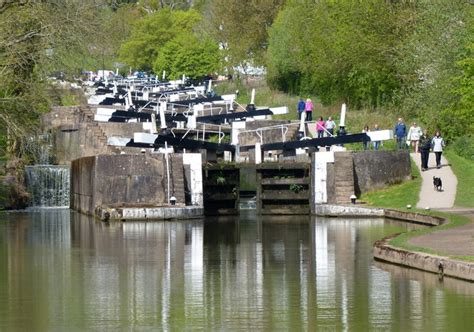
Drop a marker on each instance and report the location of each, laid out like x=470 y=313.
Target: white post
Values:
x=252 y=99
x=162 y=114
x=167 y=170
x=258 y=153
x=153 y=129
x=209 y=87
x=342 y=123
x=302 y=123
x=183 y=78
x=163 y=76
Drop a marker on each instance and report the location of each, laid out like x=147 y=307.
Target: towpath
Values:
x=430 y=197
x=454 y=241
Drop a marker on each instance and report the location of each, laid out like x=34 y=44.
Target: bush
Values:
x=464 y=147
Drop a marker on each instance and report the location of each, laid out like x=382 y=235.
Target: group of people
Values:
x=376 y=144
x=322 y=126
x=415 y=136
x=305 y=108
x=421 y=142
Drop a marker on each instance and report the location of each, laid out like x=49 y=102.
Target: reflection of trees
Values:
x=265 y=274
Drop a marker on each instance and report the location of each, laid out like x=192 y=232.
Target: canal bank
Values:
x=442 y=249
x=446 y=249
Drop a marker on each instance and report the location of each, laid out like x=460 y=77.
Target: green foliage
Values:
x=296 y=188
x=464 y=147
x=412 y=57
x=344 y=54
x=188 y=55
x=151 y=33
x=464 y=170
x=242 y=29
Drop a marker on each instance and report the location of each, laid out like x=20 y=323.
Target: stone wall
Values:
x=378 y=169
x=336 y=179
x=128 y=180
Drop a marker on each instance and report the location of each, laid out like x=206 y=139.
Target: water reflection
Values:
x=64 y=271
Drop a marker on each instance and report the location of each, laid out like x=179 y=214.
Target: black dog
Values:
x=437 y=183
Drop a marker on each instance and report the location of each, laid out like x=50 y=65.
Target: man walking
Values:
x=400 y=133
x=300 y=107
x=425 y=146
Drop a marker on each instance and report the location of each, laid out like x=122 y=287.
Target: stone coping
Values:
x=356 y=210
x=444 y=266
x=422 y=261
x=149 y=213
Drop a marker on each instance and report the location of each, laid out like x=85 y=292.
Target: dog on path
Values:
x=437 y=183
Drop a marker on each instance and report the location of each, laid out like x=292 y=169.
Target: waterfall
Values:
x=48 y=185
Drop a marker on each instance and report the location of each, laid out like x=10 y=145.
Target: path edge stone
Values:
x=444 y=266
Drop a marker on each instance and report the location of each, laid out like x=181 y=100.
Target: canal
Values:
x=63 y=271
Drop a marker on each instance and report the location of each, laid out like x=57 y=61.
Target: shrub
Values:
x=464 y=147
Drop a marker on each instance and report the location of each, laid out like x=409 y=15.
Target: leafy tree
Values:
x=242 y=29
x=458 y=119
x=152 y=32
x=338 y=50
x=188 y=55
x=36 y=36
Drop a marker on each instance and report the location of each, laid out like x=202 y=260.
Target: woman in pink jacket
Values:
x=320 y=127
x=308 y=107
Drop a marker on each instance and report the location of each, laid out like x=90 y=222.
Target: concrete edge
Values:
x=330 y=210
x=422 y=261
x=149 y=213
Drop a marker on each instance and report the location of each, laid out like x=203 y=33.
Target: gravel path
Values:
x=430 y=197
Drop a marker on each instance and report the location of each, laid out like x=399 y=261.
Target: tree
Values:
x=188 y=55
x=152 y=32
x=339 y=50
x=36 y=36
x=241 y=28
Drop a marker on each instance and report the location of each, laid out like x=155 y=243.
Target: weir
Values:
x=48 y=185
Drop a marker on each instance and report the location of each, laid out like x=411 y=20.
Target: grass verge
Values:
x=397 y=196
x=464 y=170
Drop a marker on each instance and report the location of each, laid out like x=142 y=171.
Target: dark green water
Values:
x=62 y=271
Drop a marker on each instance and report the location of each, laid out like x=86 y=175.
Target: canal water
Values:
x=62 y=271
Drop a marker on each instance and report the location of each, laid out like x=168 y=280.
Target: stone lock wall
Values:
x=359 y=172
x=377 y=169
x=128 y=180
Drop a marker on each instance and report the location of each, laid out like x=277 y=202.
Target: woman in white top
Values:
x=437 y=143
x=414 y=134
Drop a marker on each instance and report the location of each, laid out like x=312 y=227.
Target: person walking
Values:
x=330 y=125
x=320 y=127
x=413 y=136
x=400 y=133
x=438 y=143
x=300 y=108
x=425 y=146
x=309 y=110
x=366 y=143
x=376 y=143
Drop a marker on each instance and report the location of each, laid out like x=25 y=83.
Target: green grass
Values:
x=464 y=170
x=397 y=196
